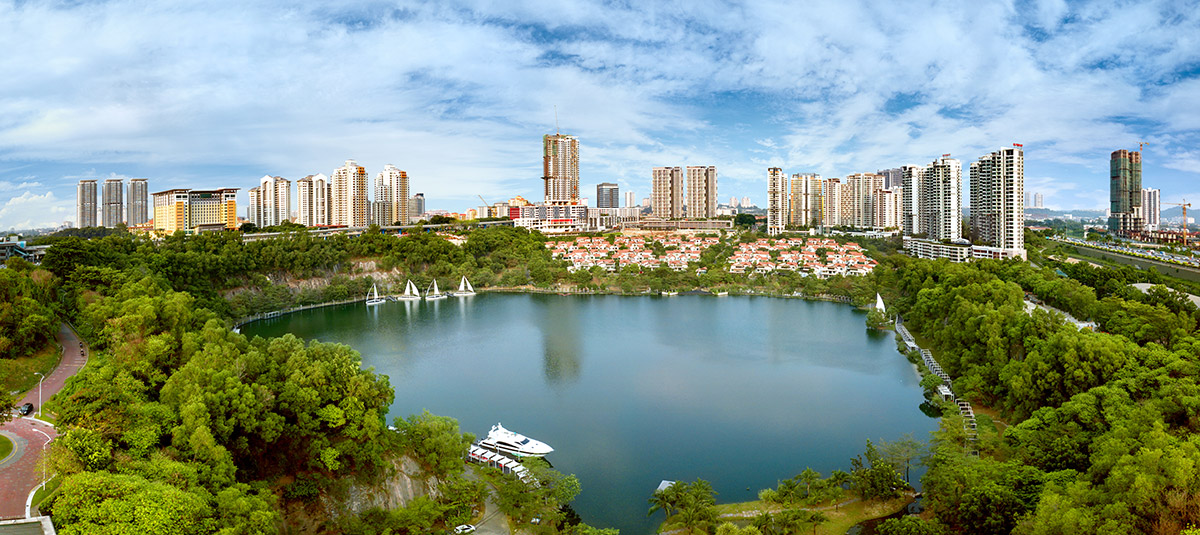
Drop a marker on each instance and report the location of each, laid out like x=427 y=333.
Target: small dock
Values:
x=504 y=463
x=945 y=390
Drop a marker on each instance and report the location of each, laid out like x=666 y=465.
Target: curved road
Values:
x=20 y=473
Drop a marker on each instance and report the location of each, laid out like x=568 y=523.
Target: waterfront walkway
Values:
x=21 y=472
x=931 y=364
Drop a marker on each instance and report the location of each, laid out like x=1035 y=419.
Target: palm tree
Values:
x=808 y=477
x=816 y=518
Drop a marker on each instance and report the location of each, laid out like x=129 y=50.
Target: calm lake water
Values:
x=740 y=391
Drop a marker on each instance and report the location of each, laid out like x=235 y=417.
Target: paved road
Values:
x=494 y=522
x=21 y=473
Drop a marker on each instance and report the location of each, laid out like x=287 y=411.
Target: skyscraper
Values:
x=941 y=199
x=270 y=202
x=862 y=188
x=746 y=202
x=910 y=204
x=666 y=192
x=313 y=194
x=831 y=202
x=1151 y=208
x=630 y=199
x=777 y=201
x=701 y=191
x=1037 y=200
x=139 y=197
x=733 y=201
x=113 y=209
x=1125 y=192
x=892 y=177
x=85 y=204
x=997 y=194
x=348 y=200
x=416 y=207
x=608 y=195
x=560 y=168
x=805 y=203
x=391 y=197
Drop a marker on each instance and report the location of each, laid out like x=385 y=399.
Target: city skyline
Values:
x=1072 y=83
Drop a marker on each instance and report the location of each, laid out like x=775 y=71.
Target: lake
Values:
x=739 y=391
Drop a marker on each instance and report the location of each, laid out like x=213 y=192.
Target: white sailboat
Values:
x=433 y=293
x=373 y=297
x=464 y=288
x=410 y=292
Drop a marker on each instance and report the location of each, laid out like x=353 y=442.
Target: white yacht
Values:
x=373 y=297
x=464 y=288
x=432 y=292
x=505 y=441
x=411 y=293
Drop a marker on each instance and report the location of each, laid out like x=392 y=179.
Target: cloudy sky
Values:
x=458 y=92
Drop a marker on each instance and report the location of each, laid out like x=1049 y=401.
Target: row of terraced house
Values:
x=795 y=254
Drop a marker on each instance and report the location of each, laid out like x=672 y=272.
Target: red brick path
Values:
x=22 y=473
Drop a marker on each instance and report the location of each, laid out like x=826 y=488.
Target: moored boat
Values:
x=373 y=297
x=505 y=441
x=464 y=288
x=410 y=292
x=432 y=292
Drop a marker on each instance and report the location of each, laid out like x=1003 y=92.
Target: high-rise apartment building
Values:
x=831 y=202
x=188 y=209
x=941 y=199
x=701 y=191
x=666 y=192
x=608 y=195
x=892 y=178
x=312 y=192
x=270 y=201
x=85 y=204
x=910 y=203
x=416 y=207
x=630 y=199
x=862 y=198
x=887 y=204
x=348 y=203
x=1151 y=209
x=777 y=201
x=138 y=212
x=560 y=168
x=733 y=201
x=1125 y=192
x=805 y=203
x=391 y=197
x=997 y=195
x=746 y=203
x=1037 y=200
x=112 y=211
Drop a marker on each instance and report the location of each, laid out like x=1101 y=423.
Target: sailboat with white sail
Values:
x=373 y=297
x=432 y=292
x=411 y=293
x=464 y=288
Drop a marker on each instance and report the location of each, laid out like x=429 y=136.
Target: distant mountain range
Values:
x=1046 y=213
x=1177 y=211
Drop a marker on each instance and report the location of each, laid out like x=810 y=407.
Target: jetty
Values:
x=946 y=389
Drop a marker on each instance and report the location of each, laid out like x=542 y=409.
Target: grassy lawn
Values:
x=17 y=375
x=840 y=519
x=46 y=491
x=6 y=447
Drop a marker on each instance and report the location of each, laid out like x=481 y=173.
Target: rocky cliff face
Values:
x=406 y=483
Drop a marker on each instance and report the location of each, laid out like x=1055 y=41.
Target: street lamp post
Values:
x=40 y=393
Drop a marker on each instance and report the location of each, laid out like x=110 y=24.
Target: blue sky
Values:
x=458 y=93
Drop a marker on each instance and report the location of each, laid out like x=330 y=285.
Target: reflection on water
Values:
x=629 y=391
x=560 y=339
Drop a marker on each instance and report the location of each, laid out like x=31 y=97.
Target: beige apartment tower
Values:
x=560 y=168
x=85 y=204
x=391 y=197
x=312 y=194
x=701 y=191
x=348 y=202
x=270 y=202
x=997 y=195
x=777 y=201
x=666 y=192
x=805 y=203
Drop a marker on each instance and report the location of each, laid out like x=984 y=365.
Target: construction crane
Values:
x=1185 y=205
x=1142 y=145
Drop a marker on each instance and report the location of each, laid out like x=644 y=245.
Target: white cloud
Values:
x=458 y=92
x=30 y=210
